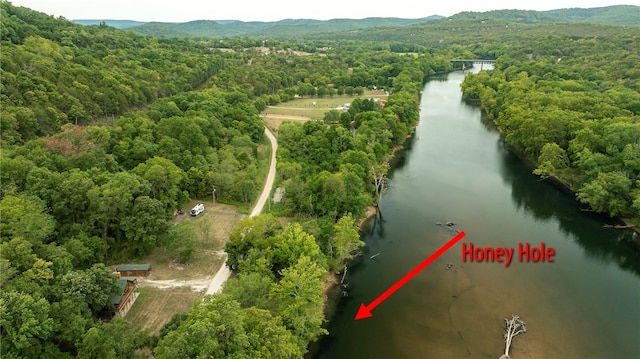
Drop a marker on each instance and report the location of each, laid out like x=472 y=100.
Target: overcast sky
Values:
x=272 y=10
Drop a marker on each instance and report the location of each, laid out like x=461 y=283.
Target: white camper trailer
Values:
x=199 y=208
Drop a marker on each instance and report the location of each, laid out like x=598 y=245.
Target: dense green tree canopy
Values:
x=571 y=107
x=106 y=133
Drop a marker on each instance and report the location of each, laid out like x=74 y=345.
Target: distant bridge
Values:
x=473 y=61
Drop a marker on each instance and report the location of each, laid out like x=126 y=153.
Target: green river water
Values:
x=586 y=304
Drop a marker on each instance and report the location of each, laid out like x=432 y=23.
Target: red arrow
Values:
x=365 y=310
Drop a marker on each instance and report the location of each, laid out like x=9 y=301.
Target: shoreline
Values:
x=333 y=278
x=560 y=183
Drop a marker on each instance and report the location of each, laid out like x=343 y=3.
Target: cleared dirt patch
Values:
x=274 y=121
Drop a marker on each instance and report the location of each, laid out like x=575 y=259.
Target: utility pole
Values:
x=214 y=195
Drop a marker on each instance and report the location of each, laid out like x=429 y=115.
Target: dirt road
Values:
x=271 y=176
x=224 y=273
x=287 y=117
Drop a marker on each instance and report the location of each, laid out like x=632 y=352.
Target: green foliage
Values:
x=25 y=322
x=290 y=245
x=552 y=157
x=91 y=287
x=345 y=241
x=568 y=104
x=146 y=225
x=326 y=168
x=181 y=242
x=299 y=299
x=617 y=14
x=166 y=180
x=610 y=192
x=252 y=232
x=24 y=217
x=115 y=339
x=250 y=289
x=219 y=328
x=55 y=72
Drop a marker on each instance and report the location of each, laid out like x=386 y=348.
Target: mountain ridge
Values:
x=610 y=15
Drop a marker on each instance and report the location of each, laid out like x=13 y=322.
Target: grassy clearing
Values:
x=310 y=108
x=274 y=121
x=316 y=113
x=155 y=307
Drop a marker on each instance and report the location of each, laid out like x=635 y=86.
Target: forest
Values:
x=106 y=133
x=571 y=106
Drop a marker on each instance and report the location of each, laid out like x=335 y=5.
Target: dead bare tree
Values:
x=379 y=174
x=514 y=326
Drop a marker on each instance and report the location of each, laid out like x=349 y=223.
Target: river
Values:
x=586 y=304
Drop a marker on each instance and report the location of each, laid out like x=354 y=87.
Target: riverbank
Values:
x=458 y=169
x=564 y=185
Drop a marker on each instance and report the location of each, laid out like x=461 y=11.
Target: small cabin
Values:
x=199 y=208
x=133 y=270
x=123 y=299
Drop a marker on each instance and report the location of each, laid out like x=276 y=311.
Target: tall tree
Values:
x=146 y=226
x=25 y=323
x=345 y=241
x=299 y=299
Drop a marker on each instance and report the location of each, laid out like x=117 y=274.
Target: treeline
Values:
x=615 y=15
x=571 y=105
x=345 y=68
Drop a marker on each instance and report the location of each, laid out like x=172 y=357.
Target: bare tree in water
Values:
x=514 y=326
x=379 y=173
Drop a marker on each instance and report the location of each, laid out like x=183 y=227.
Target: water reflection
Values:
x=496 y=194
x=546 y=202
x=402 y=157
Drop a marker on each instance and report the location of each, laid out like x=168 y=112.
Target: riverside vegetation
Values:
x=571 y=106
x=105 y=133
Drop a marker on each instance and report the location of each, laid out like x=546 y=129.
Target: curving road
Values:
x=224 y=272
x=271 y=176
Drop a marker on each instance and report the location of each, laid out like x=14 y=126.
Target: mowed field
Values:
x=171 y=287
x=307 y=109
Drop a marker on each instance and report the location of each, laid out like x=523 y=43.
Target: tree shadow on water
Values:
x=546 y=201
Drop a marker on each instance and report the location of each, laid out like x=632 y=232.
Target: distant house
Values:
x=126 y=295
x=133 y=270
x=263 y=50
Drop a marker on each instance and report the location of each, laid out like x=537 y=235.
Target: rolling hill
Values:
x=282 y=28
x=612 y=15
x=628 y=15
